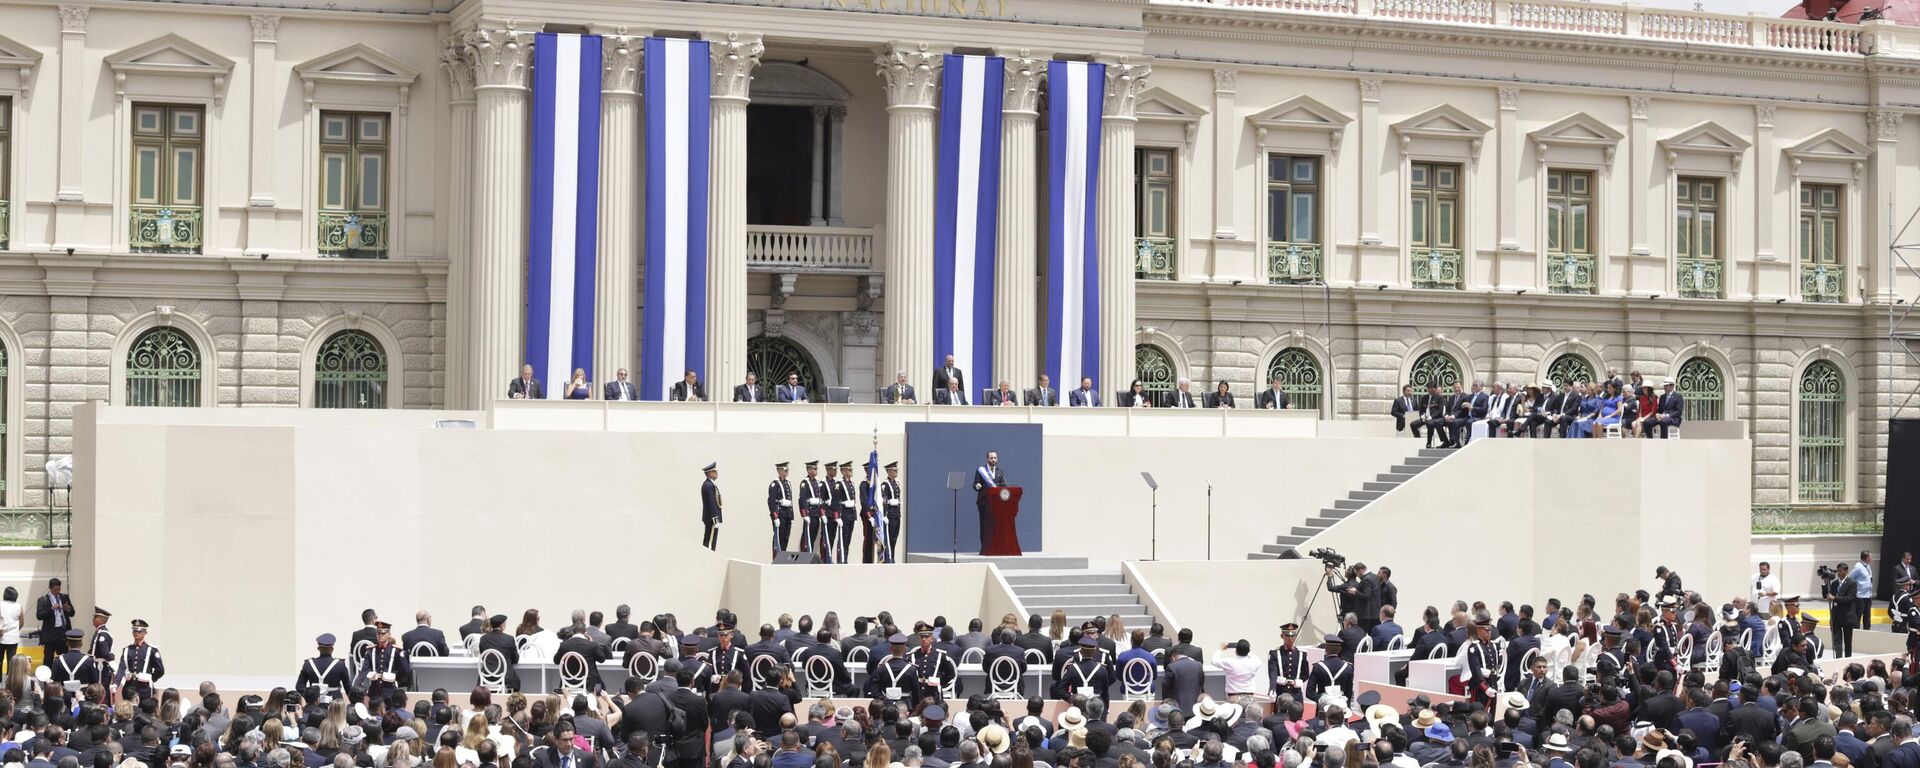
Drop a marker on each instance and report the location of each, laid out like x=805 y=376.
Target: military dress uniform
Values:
x=934 y=670
x=730 y=659
x=710 y=516
x=1332 y=672
x=323 y=671
x=140 y=666
x=1612 y=661
x=1087 y=675
x=102 y=647
x=1902 y=610
x=870 y=521
x=1287 y=668
x=849 y=510
x=74 y=669
x=1481 y=684
x=894 y=502
x=893 y=677
x=818 y=496
x=780 y=509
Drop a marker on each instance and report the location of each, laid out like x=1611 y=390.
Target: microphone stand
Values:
x=955 y=557
x=1209 y=521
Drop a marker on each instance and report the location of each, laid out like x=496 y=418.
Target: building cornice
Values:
x=217 y=278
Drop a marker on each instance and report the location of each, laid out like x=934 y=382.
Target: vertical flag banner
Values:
x=1075 y=93
x=679 y=90
x=966 y=208
x=565 y=208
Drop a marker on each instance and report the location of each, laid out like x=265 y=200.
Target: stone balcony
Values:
x=849 y=250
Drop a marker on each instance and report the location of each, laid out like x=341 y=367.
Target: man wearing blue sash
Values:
x=986 y=478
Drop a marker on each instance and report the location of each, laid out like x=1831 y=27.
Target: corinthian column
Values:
x=613 y=282
x=1125 y=81
x=1014 y=356
x=735 y=54
x=500 y=69
x=460 y=289
x=912 y=75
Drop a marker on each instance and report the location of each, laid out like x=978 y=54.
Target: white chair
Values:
x=1397 y=643
x=1365 y=645
x=619 y=644
x=819 y=672
x=424 y=650
x=951 y=690
x=858 y=655
x=643 y=665
x=1769 y=645
x=1526 y=664
x=1611 y=430
x=358 y=658
x=1710 y=663
x=973 y=656
x=1683 y=652
x=1159 y=657
x=1499 y=664
x=573 y=672
x=1439 y=650
x=1035 y=657
x=525 y=644
x=1003 y=679
x=761 y=667
x=1136 y=680
x=1746 y=638
x=473 y=644
x=493 y=671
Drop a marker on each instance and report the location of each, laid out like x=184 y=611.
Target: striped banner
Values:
x=674 y=329
x=967 y=202
x=565 y=209
x=1075 y=92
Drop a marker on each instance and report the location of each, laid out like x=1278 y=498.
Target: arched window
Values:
x=350 y=372
x=163 y=369
x=1435 y=367
x=1822 y=441
x=1300 y=377
x=772 y=357
x=1703 y=388
x=1154 y=368
x=1569 y=367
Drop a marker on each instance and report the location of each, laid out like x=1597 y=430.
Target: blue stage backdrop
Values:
x=935 y=448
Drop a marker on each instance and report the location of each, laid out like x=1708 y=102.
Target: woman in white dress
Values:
x=534 y=639
x=9 y=627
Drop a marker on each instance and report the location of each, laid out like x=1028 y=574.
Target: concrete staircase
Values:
x=1286 y=545
x=1045 y=583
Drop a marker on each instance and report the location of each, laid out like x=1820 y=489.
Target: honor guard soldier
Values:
x=1287 y=666
x=893 y=677
x=1807 y=626
x=140 y=665
x=1087 y=675
x=871 y=524
x=710 y=507
x=102 y=647
x=1332 y=673
x=1788 y=626
x=74 y=669
x=894 y=503
x=387 y=665
x=849 y=509
x=816 y=495
x=706 y=679
x=323 y=671
x=826 y=529
x=780 y=507
x=1612 y=661
x=1902 y=608
x=1665 y=632
x=1478 y=675
x=933 y=668
x=727 y=657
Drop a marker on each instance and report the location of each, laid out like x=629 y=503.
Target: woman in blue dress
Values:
x=1610 y=405
x=1582 y=425
x=579 y=388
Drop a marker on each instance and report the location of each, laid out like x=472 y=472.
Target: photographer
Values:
x=1359 y=591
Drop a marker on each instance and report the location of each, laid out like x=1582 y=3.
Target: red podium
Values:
x=1003 y=506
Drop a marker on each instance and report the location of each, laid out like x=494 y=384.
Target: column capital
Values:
x=911 y=72
x=1225 y=80
x=1509 y=99
x=1885 y=124
x=459 y=68
x=501 y=57
x=1637 y=107
x=266 y=28
x=73 y=18
x=1370 y=91
x=1024 y=74
x=735 y=55
x=620 y=65
x=1125 y=82
x=1763 y=115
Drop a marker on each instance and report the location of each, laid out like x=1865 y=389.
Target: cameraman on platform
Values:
x=1359 y=592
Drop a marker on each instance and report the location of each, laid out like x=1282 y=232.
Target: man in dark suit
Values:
x=559 y=751
x=688 y=389
x=824 y=647
x=621 y=627
x=1403 y=408
x=952 y=394
x=710 y=516
x=1181 y=396
x=1043 y=395
x=1003 y=395
x=593 y=652
x=423 y=632
x=1468 y=409
x=769 y=672
x=1527 y=639
x=366 y=634
x=1569 y=408
x=526 y=387
x=620 y=388
x=1433 y=416
x=1084 y=397
x=949 y=373
x=55 y=612
x=1272 y=398
x=985 y=478
x=790 y=392
x=1184 y=680
x=1668 y=414
x=750 y=391
x=1566 y=696
x=901 y=393
x=477 y=626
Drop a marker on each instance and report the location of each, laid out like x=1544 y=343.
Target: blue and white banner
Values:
x=1075 y=93
x=565 y=209
x=966 y=208
x=674 y=330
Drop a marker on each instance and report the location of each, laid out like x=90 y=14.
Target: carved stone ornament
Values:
x=912 y=74
x=459 y=69
x=266 y=28
x=1023 y=76
x=735 y=54
x=500 y=57
x=73 y=18
x=620 y=64
x=1125 y=82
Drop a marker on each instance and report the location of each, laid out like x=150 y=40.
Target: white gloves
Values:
x=788 y=503
x=893 y=502
x=813 y=501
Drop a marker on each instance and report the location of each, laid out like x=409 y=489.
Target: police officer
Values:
x=323 y=670
x=849 y=509
x=893 y=678
x=1287 y=665
x=1332 y=672
x=387 y=665
x=102 y=647
x=1087 y=675
x=894 y=503
x=710 y=507
x=817 y=498
x=141 y=665
x=74 y=668
x=932 y=667
x=780 y=507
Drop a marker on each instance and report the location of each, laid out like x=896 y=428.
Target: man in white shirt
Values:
x=1337 y=734
x=1243 y=671
x=1766 y=588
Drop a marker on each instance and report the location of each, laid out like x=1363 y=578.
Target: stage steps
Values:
x=1287 y=545
x=1045 y=583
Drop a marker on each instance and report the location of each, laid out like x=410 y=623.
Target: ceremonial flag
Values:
x=565 y=209
x=1075 y=92
x=966 y=207
x=674 y=329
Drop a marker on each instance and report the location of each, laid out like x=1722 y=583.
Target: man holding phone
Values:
x=1766 y=589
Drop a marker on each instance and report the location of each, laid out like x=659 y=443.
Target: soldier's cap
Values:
x=1368 y=699
x=813 y=464
x=1791 y=599
x=1613 y=631
x=1488 y=622
x=498 y=620
x=893 y=465
x=710 y=467
x=102 y=612
x=897 y=639
x=831 y=464
x=689 y=641
x=250 y=702
x=325 y=640
x=1290 y=629
x=1669 y=601
x=846 y=463
x=1904 y=580
x=138 y=624
x=780 y=465
x=1087 y=641
x=1809 y=620
x=382 y=625
x=1332 y=640
x=180 y=749
x=934 y=712
x=74 y=634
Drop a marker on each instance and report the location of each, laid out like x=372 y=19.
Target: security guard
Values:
x=780 y=507
x=710 y=507
x=1087 y=675
x=141 y=665
x=102 y=647
x=74 y=669
x=894 y=677
x=932 y=667
x=1332 y=672
x=894 y=502
x=323 y=671
x=1287 y=665
x=849 y=509
x=387 y=665
x=816 y=496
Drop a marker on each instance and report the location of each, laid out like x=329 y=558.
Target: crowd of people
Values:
x=1612 y=407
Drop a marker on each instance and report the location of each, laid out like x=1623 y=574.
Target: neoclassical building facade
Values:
x=264 y=205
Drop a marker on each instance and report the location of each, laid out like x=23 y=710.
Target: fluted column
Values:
x=1125 y=81
x=460 y=257
x=1014 y=351
x=500 y=68
x=619 y=239
x=912 y=75
x=735 y=54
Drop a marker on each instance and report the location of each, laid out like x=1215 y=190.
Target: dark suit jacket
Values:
x=53 y=636
x=996 y=397
x=894 y=393
x=944 y=397
x=1672 y=405
x=1128 y=399
x=678 y=391
x=709 y=502
x=471 y=628
x=1183 y=682
x=1179 y=399
x=1042 y=396
x=530 y=392
x=424 y=634
x=1217 y=400
x=1083 y=398
x=941 y=375
x=1400 y=408
x=504 y=643
x=785 y=394
x=745 y=394
x=1266 y=400
x=620 y=390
